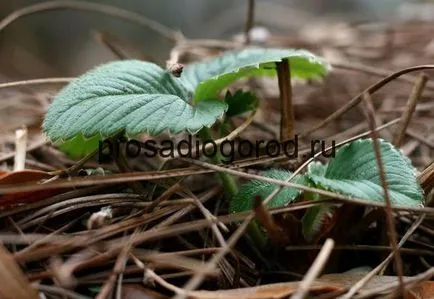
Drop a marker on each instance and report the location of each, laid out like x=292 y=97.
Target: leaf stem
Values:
x=250 y=20
x=230 y=185
x=285 y=89
x=227 y=179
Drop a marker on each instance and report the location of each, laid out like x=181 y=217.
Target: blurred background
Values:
x=364 y=40
x=64 y=42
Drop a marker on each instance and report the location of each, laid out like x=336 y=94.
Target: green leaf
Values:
x=240 y=102
x=354 y=172
x=79 y=146
x=128 y=95
x=316 y=168
x=243 y=200
x=205 y=79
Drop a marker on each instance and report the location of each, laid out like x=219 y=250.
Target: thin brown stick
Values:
x=119 y=268
x=314 y=270
x=35 y=82
x=56 y=232
x=93 y=7
x=149 y=274
x=285 y=88
x=164 y=196
x=393 y=240
x=250 y=20
x=77 y=201
x=370 y=90
x=410 y=107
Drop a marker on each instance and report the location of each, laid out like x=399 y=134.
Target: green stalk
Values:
x=253 y=230
x=228 y=180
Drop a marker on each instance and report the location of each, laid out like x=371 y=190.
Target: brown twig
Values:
x=285 y=88
x=410 y=107
x=376 y=71
x=35 y=82
x=119 y=268
x=370 y=115
x=250 y=20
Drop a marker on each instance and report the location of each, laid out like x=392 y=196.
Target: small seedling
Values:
x=353 y=172
x=135 y=97
x=140 y=97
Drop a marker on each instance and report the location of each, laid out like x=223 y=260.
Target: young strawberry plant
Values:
x=135 y=97
x=353 y=172
x=139 y=97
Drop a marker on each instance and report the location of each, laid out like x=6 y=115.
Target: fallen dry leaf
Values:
x=19 y=177
x=14 y=284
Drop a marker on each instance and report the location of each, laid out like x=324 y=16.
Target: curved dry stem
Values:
x=391 y=229
x=35 y=82
x=93 y=7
